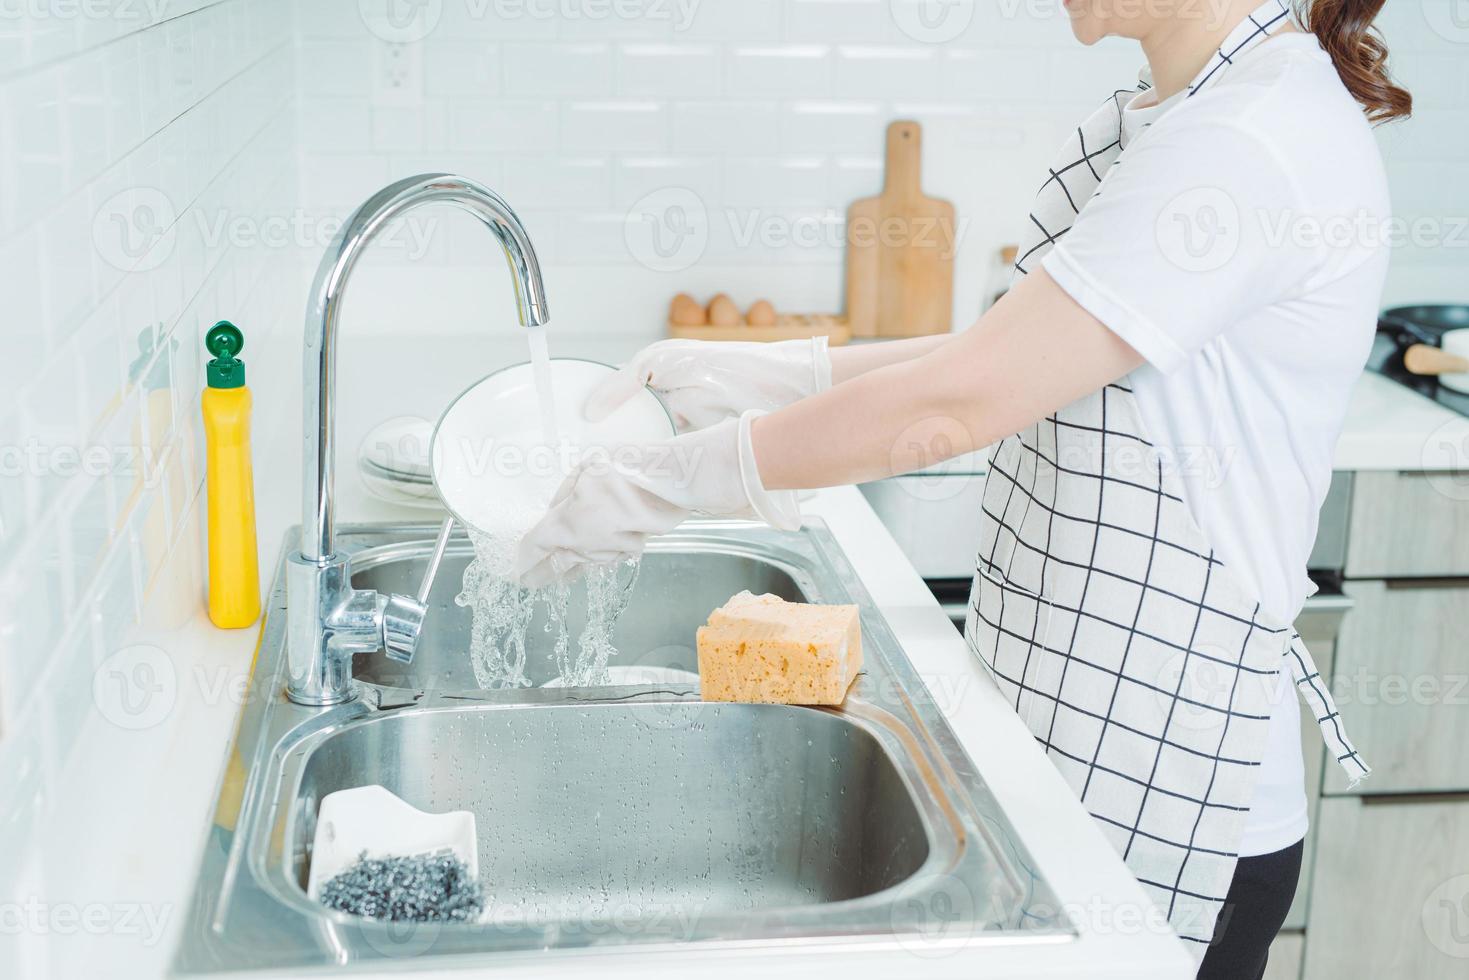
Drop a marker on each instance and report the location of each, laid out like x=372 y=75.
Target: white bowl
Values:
x=491 y=464
x=1456 y=342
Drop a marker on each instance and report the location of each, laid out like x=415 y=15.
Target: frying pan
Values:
x=1411 y=329
x=1409 y=325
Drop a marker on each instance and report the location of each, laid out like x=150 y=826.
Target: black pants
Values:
x=1259 y=896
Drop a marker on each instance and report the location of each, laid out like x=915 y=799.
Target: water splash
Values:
x=500 y=616
x=608 y=589
x=502 y=612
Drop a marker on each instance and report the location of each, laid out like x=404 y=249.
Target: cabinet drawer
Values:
x=1404 y=524
x=1286 y=954
x=1401 y=680
x=1390 y=896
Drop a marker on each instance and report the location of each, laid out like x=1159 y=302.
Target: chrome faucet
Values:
x=327 y=620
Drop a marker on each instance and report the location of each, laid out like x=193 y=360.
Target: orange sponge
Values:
x=764 y=649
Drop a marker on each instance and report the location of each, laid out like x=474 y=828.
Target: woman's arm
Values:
x=856 y=359
x=1032 y=353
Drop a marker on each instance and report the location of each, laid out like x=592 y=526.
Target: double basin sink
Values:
x=618 y=816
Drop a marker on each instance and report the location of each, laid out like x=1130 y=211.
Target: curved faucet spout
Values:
x=328 y=621
x=318 y=522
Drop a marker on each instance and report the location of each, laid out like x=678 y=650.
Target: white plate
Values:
x=490 y=463
x=639 y=675
x=393 y=463
x=397 y=449
x=1455 y=342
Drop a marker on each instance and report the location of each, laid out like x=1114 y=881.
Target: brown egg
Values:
x=723 y=312
x=761 y=314
x=685 y=311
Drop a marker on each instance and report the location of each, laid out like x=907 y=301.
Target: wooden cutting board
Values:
x=900 y=249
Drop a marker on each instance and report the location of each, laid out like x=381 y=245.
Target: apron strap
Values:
x=1314 y=693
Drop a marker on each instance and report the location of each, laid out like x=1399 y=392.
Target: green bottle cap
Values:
x=224 y=340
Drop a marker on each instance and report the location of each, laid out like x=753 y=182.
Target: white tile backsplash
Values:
x=499 y=20
x=460 y=67
x=624 y=126
x=340 y=67
x=837 y=20
x=505 y=125
x=580 y=181
x=770 y=104
x=888 y=71
x=794 y=180
x=729 y=127
x=644 y=69
x=748 y=20
x=778 y=69
x=635 y=177
x=562 y=70
x=833 y=126
x=142 y=144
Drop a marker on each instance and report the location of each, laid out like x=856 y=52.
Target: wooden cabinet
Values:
x=1408 y=525
x=1384 y=888
x=1285 y=956
x=1390 y=890
x=1318 y=625
x=1401 y=680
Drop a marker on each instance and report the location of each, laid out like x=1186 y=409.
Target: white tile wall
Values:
x=757 y=107
x=770 y=111
x=1428 y=156
x=142 y=144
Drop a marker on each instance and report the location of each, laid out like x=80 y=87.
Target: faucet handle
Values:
x=402 y=619
x=402 y=616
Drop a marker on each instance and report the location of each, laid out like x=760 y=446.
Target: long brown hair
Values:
x=1344 y=28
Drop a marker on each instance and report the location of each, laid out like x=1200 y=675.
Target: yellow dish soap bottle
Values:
x=234 y=563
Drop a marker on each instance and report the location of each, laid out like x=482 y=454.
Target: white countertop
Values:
x=157 y=786
x=1389 y=427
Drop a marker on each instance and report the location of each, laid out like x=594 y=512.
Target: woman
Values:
x=1166 y=380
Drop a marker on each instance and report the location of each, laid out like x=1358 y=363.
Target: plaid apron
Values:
x=1142 y=664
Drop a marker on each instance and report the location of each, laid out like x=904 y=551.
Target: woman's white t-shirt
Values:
x=1240 y=248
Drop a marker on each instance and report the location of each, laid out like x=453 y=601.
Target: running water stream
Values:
x=540 y=364
x=501 y=611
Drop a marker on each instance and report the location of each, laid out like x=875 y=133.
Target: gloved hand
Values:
x=706 y=381
x=611 y=504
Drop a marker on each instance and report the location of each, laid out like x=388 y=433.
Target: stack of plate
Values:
x=394 y=462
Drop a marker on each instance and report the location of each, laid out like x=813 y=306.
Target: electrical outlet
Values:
x=397 y=77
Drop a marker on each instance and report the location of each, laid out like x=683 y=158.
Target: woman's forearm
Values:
x=856 y=359
x=1034 y=352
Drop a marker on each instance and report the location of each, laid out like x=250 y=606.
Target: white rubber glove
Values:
x=707 y=381
x=610 y=505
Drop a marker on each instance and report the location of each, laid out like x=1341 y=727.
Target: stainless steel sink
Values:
x=715 y=808
x=627 y=816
